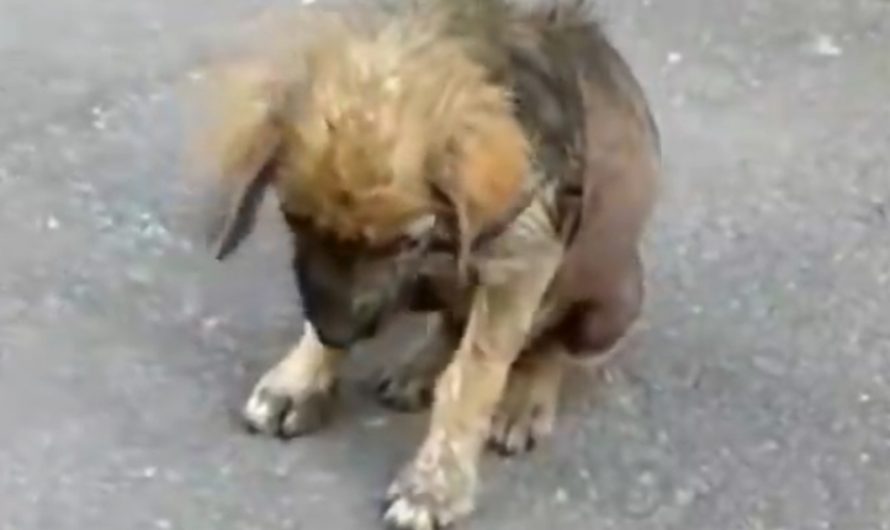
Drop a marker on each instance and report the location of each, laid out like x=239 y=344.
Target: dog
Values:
x=490 y=164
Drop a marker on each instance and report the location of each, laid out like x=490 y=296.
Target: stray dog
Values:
x=492 y=164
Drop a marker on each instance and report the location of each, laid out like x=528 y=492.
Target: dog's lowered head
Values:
x=371 y=139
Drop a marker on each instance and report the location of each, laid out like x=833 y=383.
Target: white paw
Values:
x=286 y=408
x=431 y=499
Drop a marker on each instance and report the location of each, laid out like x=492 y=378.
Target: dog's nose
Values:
x=342 y=325
x=344 y=333
x=338 y=339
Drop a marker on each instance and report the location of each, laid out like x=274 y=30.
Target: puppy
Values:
x=491 y=164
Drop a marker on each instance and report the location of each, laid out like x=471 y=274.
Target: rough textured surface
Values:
x=755 y=395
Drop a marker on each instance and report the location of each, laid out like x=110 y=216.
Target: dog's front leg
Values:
x=297 y=395
x=438 y=486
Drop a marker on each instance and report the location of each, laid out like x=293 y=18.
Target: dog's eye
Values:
x=413 y=236
x=392 y=247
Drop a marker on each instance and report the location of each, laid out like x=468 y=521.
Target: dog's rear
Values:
x=608 y=185
x=520 y=140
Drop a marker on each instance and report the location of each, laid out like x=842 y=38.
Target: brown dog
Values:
x=493 y=164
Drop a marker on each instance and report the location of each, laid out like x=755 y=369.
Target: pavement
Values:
x=754 y=395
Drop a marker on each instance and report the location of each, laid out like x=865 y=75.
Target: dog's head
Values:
x=369 y=139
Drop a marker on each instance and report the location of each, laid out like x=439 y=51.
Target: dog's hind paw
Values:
x=520 y=429
x=527 y=412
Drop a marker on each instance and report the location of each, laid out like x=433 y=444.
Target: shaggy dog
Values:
x=493 y=164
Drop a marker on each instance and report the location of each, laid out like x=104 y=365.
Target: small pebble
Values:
x=210 y=324
x=684 y=497
x=826 y=46
x=644 y=495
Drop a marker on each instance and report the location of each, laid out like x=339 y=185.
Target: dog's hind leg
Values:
x=589 y=331
x=407 y=385
x=297 y=395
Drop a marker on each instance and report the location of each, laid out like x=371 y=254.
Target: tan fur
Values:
x=492 y=170
x=387 y=114
x=440 y=482
x=376 y=128
x=233 y=133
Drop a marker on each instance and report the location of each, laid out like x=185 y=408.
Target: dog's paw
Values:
x=403 y=389
x=429 y=499
x=520 y=429
x=284 y=409
x=525 y=416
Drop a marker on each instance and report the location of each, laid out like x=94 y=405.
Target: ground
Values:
x=754 y=395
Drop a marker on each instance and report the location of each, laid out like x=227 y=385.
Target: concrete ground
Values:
x=754 y=396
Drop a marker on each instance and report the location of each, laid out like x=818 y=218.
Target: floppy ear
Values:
x=238 y=150
x=487 y=180
x=231 y=215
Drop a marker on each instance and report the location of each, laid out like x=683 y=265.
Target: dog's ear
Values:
x=237 y=149
x=487 y=177
x=231 y=211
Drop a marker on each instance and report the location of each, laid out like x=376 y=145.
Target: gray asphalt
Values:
x=753 y=396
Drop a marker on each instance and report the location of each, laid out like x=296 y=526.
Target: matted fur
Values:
x=371 y=119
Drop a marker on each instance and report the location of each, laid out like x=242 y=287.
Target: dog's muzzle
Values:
x=348 y=299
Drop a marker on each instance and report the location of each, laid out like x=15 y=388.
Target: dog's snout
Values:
x=365 y=308
x=342 y=309
x=334 y=336
x=342 y=325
